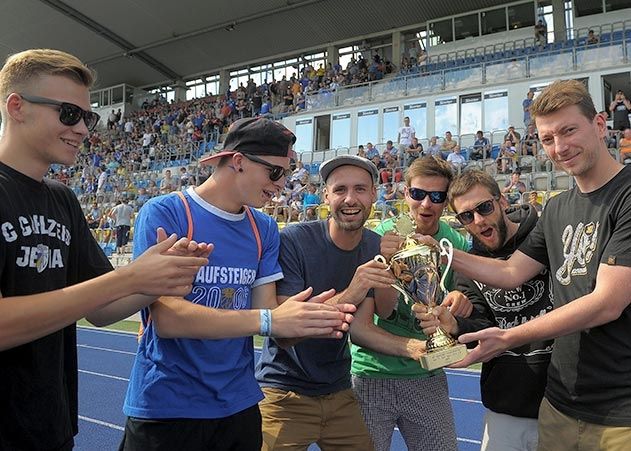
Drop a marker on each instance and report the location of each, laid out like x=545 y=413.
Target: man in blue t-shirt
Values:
x=192 y=385
x=307 y=384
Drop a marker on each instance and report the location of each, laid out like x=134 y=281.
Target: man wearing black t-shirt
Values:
x=582 y=238
x=52 y=271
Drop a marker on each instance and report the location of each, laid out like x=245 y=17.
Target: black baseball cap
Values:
x=353 y=160
x=256 y=136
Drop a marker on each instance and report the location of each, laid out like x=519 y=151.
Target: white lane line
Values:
x=100 y=330
x=464 y=374
x=473 y=401
x=469 y=440
x=105 y=349
x=109 y=376
x=102 y=423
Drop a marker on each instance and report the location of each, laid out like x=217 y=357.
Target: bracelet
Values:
x=266 y=323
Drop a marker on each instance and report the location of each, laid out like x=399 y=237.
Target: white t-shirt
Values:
x=405 y=134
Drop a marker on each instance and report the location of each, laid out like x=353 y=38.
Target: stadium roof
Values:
x=150 y=42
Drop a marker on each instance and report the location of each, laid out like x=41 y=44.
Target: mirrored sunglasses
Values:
x=275 y=173
x=437 y=197
x=484 y=208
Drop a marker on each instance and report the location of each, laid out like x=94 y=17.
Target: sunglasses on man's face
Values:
x=437 y=197
x=69 y=113
x=275 y=172
x=484 y=208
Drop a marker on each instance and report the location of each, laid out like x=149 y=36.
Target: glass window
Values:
x=341 y=130
x=441 y=32
x=466 y=26
x=304 y=135
x=521 y=16
x=417 y=112
x=470 y=113
x=495 y=111
x=587 y=7
x=117 y=94
x=95 y=99
x=446 y=116
x=106 y=97
x=391 y=124
x=613 y=5
x=367 y=124
x=493 y=21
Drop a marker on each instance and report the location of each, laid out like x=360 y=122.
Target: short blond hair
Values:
x=561 y=94
x=20 y=68
x=429 y=166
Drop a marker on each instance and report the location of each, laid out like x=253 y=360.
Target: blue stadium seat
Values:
x=495 y=151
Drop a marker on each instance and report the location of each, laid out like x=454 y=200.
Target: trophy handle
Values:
x=446 y=249
x=381 y=259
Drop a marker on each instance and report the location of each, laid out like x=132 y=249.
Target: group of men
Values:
x=194 y=385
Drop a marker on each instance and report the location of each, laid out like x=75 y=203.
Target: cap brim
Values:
x=223 y=153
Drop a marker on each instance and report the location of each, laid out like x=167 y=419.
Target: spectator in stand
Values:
x=386 y=196
x=111 y=120
x=141 y=198
x=448 y=144
x=299 y=172
x=533 y=199
x=167 y=184
x=434 y=149
x=619 y=108
x=391 y=172
x=413 y=151
x=513 y=136
x=378 y=162
x=530 y=142
x=506 y=157
x=371 y=151
x=456 y=159
x=530 y=95
x=541 y=33
x=625 y=147
x=122 y=215
x=94 y=216
x=393 y=151
x=514 y=188
x=404 y=138
x=481 y=147
x=360 y=151
x=310 y=202
x=591 y=38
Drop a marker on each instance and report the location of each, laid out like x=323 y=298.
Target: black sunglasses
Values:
x=484 y=208
x=69 y=113
x=437 y=197
x=275 y=173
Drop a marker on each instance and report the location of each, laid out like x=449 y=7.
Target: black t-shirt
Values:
x=590 y=373
x=620 y=116
x=45 y=244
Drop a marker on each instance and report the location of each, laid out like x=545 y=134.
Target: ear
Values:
x=374 y=193
x=237 y=161
x=15 y=107
x=601 y=124
x=325 y=194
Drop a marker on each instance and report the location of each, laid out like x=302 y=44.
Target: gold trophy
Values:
x=416 y=267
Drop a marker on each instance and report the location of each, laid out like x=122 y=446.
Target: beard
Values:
x=502 y=231
x=349 y=226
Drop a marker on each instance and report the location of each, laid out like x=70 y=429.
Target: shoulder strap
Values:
x=255 y=229
x=189 y=217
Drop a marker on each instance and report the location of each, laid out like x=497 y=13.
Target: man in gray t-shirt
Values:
x=122 y=215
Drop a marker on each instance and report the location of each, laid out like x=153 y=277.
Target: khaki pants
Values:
x=560 y=432
x=292 y=421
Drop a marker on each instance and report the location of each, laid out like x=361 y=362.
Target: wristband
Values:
x=266 y=323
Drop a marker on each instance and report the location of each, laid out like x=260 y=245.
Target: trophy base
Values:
x=443 y=357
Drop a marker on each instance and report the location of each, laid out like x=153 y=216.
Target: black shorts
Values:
x=122 y=235
x=238 y=432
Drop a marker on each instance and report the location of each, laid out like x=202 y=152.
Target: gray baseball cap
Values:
x=354 y=160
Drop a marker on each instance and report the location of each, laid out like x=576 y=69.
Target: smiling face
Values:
x=572 y=141
x=350 y=192
x=426 y=213
x=44 y=138
x=258 y=188
x=489 y=231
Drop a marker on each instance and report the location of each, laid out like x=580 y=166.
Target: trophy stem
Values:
x=440 y=340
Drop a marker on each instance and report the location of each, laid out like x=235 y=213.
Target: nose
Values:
x=477 y=218
x=81 y=128
x=426 y=202
x=560 y=144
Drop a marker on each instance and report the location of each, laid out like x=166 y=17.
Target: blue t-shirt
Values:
x=186 y=378
x=309 y=258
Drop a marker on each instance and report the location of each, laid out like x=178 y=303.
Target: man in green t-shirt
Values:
x=395 y=390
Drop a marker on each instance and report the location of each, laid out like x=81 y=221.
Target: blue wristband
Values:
x=266 y=323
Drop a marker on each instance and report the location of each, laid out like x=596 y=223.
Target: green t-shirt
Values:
x=402 y=322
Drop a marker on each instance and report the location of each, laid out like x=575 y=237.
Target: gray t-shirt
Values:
x=309 y=258
x=122 y=215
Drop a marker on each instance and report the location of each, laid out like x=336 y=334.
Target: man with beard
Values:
x=307 y=384
x=513 y=383
x=386 y=364
x=583 y=238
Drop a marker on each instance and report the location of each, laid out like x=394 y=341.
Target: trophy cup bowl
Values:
x=417 y=270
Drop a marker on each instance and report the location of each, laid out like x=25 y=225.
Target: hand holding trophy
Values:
x=416 y=267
